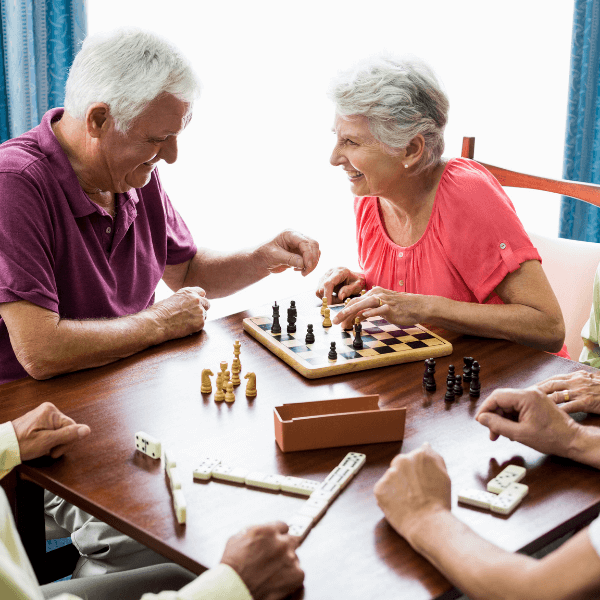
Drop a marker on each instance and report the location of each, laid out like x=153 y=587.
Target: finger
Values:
x=59 y=419
x=328 y=288
x=574 y=406
x=310 y=256
x=58 y=441
x=553 y=385
x=506 y=399
x=499 y=425
x=350 y=311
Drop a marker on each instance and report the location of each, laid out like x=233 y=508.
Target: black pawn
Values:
x=458 y=389
x=451 y=375
x=291 y=328
x=332 y=352
x=276 y=327
x=310 y=336
x=475 y=387
x=468 y=360
x=449 y=397
x=357 y=344
x=429 y=376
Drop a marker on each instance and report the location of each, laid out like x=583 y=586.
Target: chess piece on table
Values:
x=206 y=386
x=219 y=394
x=357 y=344
x=451 y=374
x=310 y=336
x=226 y=378
x=237 y=349
x=275 y=327
x=450 y=384
x=251 y=385
x=429 y=375
x=236 y=367
x=458 y=390
x=293 y=307
x=475 y=387
x=323 y=306
x=291 y=319
x=327 y=320
x=229 y=395
x=468 y=360
x=332 y=352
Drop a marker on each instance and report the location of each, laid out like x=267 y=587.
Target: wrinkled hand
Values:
x=342 y=281
x=45 y=430
x=528 y=416
x=290 y=249
x=396 y=307
x=265 y=558
x=183 y=313
x=583 y=391
x=416 y=484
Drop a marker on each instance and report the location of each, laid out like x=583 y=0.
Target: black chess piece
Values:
x=451 y=374
x=429 y=376
x=332 y=352
x=276 y=327
x=468 y=360
x=291 y=328
x=458 y=389
x=310 y=336
x=293 y=307
x=450 y=379
x=475 y=387
x=357 y=344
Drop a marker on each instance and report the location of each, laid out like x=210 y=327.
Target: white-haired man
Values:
x=87 y=231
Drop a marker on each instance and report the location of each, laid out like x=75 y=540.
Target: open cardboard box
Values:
x=332 y=423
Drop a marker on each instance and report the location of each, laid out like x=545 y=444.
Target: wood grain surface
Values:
x=352 y=553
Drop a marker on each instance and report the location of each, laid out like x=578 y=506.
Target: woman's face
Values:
x=371 y=171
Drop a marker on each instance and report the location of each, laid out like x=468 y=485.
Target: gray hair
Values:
x=400 y=98
x=127 y=69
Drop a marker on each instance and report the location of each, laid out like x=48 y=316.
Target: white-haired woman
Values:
x=439 y=241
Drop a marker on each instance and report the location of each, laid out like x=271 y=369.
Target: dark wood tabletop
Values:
x=352 y=552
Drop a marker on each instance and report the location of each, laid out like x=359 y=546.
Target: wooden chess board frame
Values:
x=384 y=344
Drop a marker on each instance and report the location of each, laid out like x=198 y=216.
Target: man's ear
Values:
x=97 y=119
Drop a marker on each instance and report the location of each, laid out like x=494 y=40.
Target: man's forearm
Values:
x=585 y=446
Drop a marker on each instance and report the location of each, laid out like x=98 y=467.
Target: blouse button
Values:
x=502 y=246
x=401 y=282
x=400 y=254
x=108 y=230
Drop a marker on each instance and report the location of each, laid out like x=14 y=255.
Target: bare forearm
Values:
x=585 y=446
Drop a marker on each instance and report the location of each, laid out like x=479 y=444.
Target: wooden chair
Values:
x=570 y=265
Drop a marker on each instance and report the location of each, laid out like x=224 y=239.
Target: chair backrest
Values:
x=570 y=265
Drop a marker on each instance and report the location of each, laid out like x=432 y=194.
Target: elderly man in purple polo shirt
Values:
x=87 y=231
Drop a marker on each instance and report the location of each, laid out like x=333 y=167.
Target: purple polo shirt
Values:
x=62 y=252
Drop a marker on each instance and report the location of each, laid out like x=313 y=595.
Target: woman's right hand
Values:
x=578 y=391
x=342 y=281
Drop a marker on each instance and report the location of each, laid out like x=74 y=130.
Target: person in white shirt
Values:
x=414 y=494
x=258 y=563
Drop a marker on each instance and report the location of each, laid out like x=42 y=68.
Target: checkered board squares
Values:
x=383 y=344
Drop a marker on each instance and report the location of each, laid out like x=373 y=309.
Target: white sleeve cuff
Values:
x=594 y=534
x=216 y=584
x=10 y=455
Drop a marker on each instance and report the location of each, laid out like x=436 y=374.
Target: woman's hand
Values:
x=579 y=391
x=342 y=281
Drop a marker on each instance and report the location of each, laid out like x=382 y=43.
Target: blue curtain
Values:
x=38 y=42
x=578 y=220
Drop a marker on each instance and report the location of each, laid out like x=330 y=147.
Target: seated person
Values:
x=414 y=494
x=590 y=355
x=260 y=562
x=439 y=241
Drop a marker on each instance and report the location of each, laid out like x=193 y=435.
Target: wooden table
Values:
x=352 y=552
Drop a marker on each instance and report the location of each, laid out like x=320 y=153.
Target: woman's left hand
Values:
x=396 y=307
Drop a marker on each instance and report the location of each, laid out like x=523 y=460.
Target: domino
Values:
x=340 y=476
x=147 y=444
x=509 y=499
x=299 y=526
x=353 y=461
x=205 y=468
x=169 y=461
x=477 y=498
x=236 y=474
x=262 y=480
x=314 y=508
x=512 y=474
x=180 y=506
x=297 y=485
x=325 y=495
x=175 y=478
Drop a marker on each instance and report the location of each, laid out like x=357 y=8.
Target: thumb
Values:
x=57 y=440
x=283 y=257
x=499 y=425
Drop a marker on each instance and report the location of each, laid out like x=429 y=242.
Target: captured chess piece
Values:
x=251 y=385
x=449 y=397
x=357 y=344
x=229 y=395
x=275 y=327
x=332 y=352
x=327 y=320
x=429 y=375
x=475 y=387
x=236 y=367
x=458 y=389
x=310 y=336
x=324 y=306
x=206 y=385
x=291 y=319
x=468 y=360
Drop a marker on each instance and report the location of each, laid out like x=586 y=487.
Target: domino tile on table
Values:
x=509 y=499
x=227 y=473
x=180 y=506
x=477 y=498
x=297 y=485
x=174 y=478
x=169 y=461
x=147 y=444
x=263 y=480
x=512 y=474
x=205 y=468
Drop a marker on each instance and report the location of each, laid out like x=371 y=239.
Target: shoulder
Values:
x=19 y=154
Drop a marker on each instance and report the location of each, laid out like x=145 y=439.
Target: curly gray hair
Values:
x=400 y=98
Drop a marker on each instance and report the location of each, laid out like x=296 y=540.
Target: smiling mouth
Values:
x=352 y=175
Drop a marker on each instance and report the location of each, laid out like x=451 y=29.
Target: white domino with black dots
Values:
x=147 y=444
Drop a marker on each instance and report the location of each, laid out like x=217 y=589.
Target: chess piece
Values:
x=475 y=387
x=291 y=319
x=236 y=367
x=229 y=395
x=468 y=360
x=310 y=336
x=293 y=307
x=323 y=306
x=251 y=385
x=206 y=387
x=458 y=389
x=357 y=344
x=332 y=352
x=451 y=375
x=449 y=397
x=429 y=375
x=226 y=378
x=219 y=394
x=275 y=327
x=237 y=349
x=327 y=320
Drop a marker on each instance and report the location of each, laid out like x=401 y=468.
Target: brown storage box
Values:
x=332 y=423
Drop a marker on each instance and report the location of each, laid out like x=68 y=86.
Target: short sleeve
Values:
x=27 y=240
x=480 y=230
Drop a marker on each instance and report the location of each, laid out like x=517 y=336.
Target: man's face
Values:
x=127 y=160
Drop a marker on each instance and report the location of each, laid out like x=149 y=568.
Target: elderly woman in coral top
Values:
x=439 y=241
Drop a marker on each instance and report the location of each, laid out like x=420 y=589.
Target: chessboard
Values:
x=384 y=344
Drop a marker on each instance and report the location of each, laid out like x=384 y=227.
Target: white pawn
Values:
x=219 y=394
x=229 y=395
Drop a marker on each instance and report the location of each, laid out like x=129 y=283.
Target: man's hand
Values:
x=181 y=314
x=342 y=281
x=45 y=430
x=265 y=558
x=290 y=249
x=415 y=485
x=531 y=417
x=580 y=391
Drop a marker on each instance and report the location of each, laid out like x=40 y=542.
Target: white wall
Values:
x=254 y=160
